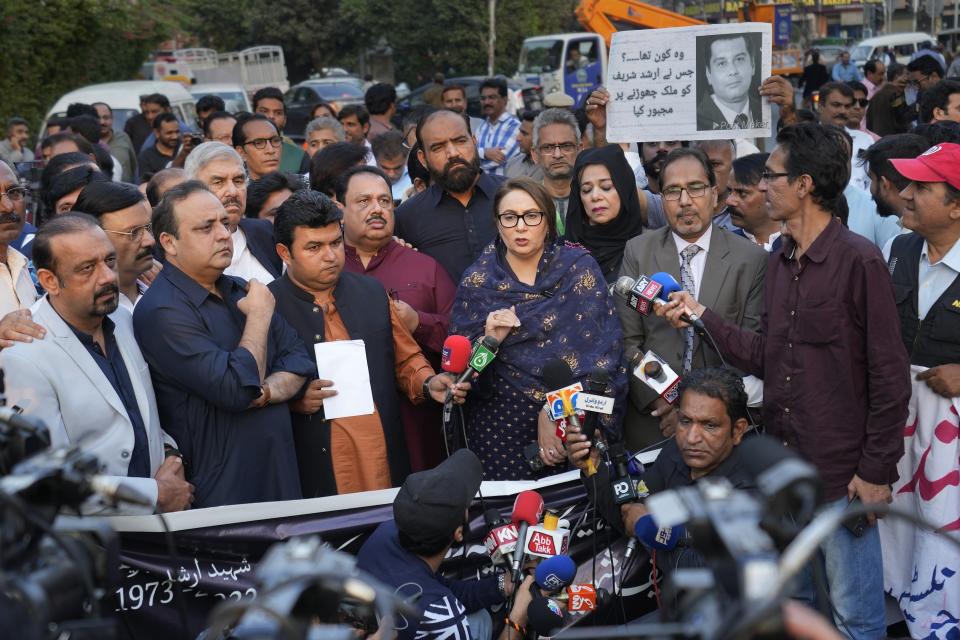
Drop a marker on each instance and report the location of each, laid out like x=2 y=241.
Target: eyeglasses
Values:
x=768 y=175
x=565 y=148
x=695 y=190
x=530 y=219
x=16 y=194
x=863 y=102
x=135 y=234
x=261 y=143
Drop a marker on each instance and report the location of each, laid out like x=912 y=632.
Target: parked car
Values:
x=300 y=100
x=519 y=96
x=903 y=46
x=233 y=95
x=124 y=100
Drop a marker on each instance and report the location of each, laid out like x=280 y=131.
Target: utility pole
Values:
x=492 y=37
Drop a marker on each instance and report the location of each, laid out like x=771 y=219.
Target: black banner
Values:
x=217 y=563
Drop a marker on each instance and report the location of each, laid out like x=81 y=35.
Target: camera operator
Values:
x=429 y=516
x=712 y=420
x=87 y=380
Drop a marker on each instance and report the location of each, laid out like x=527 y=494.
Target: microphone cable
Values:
x=705 y=333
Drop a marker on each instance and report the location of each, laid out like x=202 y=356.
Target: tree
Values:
x=51 y=48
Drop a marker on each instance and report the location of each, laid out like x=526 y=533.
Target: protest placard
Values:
x=689 y=83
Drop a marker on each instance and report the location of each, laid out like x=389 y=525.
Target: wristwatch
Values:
x=502 y=584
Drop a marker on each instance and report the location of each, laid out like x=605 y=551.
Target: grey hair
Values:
x=554 y=116
x=704 y=144
x=207 y=153
x=326 y=122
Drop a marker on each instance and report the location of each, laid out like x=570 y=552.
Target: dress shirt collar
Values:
x=766 y=245
x=85 y=338
x=703 y=241
x=486 y=184
x=730 y=114
x=951 y=259
x=379 y=256
x=503 y=117
x=820 y=248
x=194 y=291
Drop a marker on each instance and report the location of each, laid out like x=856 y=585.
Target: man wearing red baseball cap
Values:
x=925 y=265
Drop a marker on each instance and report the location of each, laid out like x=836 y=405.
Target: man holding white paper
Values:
x=361 y=343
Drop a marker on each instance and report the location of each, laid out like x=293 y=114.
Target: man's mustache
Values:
x=106 y=290
x=8 y=218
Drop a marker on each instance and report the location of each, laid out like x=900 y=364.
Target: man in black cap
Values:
x=429 y=516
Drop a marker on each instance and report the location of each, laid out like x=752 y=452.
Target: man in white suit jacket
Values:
x=87 y=380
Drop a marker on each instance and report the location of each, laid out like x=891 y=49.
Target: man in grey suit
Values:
x=719 y=265
x=86 y=379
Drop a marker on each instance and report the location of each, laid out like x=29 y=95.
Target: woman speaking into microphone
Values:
x=543 y=300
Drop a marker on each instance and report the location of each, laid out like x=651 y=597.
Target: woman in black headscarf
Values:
x=604 y=208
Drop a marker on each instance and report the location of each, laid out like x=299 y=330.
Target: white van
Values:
x=903 y=45
x=124 y=100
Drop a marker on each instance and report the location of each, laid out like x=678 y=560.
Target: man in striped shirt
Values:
x=497 y=138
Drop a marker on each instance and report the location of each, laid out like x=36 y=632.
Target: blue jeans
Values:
x=854 y=572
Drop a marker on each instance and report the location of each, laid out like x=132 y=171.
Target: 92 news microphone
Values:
x=527 y=511
x=556 y=573
x=501 y=541
x=484 y=352
x=654 y=537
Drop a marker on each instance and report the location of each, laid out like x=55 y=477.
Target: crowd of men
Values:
x=163 y=307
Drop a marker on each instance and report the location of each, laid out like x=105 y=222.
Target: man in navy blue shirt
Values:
x=429 y=516
x=224 y=364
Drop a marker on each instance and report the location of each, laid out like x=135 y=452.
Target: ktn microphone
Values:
x=527 y=510
x=501 y=541
x=656 y=373
x=654 y=537
x=483 y=354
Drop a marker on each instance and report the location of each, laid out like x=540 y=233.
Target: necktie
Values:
x=740 y=122
x=686 y=279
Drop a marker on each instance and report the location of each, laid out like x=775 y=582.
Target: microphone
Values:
x=544 y=616
x=656 y=373
x=558 y=376
x=556 y=573
x=581 y=598
x=596 y=385
x=455 y=354
x=640 y=294
x=115 y=492
x=527 y=510
x=654 y=537
x=483 y=354
x=501 y=541
x=453 y=359
x=668 y=284
x=548 y=539
x=621 y=484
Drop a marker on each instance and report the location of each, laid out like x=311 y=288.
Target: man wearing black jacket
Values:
x=711 y=424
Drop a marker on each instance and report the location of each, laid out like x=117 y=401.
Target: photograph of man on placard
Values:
x=728 y=79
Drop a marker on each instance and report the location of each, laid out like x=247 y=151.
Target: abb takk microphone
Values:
x=527 y=511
